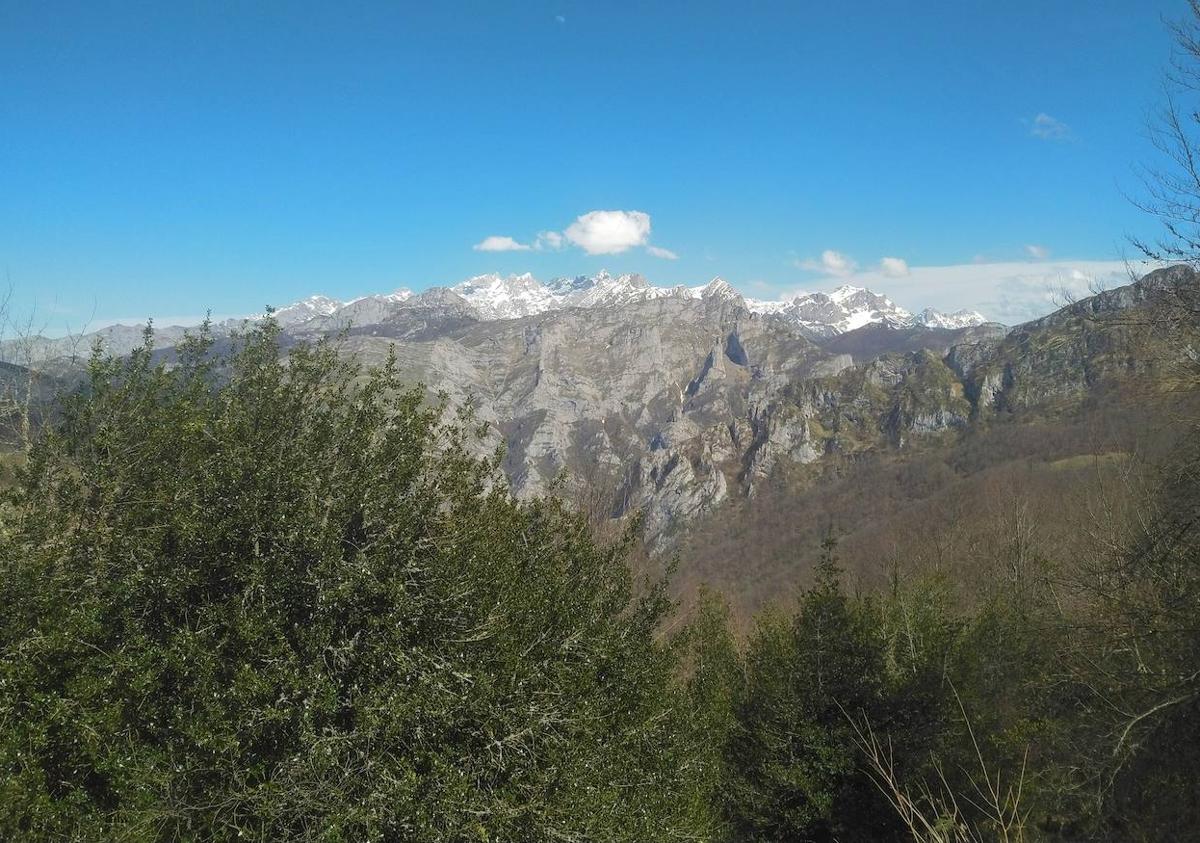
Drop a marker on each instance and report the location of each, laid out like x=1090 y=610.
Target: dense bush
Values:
x=242 y=597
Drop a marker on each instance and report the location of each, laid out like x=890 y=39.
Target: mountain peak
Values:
x=932 y=318
x=828 y=314
x=312 y=307
x=498 y=296
x=719 y=288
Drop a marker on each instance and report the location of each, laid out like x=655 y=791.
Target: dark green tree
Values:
x=713 y=677
x=246 y=597
x=797 y=774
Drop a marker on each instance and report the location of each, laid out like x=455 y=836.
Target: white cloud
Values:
x=596 y=232
x=1038 y=253
x=498 y=243
x=659 y=252
x=894 y=267
x=609 y=232
x=1047 y=128
x=1010 y=292
x=831 y=263
x=548 y=240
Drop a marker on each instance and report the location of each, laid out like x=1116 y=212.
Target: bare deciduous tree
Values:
x=991 y=809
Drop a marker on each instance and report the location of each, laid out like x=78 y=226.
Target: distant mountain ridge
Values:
x=494 y=296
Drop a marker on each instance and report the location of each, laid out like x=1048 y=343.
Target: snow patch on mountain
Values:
x=829 y=314
x=513 y=296
x=302 y=311
x=931 y=318
x=608 y=290
x=720 y=289
x=506 y=297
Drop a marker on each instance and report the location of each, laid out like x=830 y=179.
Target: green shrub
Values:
x=248 y=598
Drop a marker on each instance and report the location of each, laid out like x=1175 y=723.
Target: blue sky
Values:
x=167 y=158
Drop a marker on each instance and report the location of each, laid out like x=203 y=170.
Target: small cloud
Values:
x=831 y=263
x=659 y=252
x=561 y=18
x=1036 y=252
x=551 y=240
x=609 y=232
x=596 y=232
x=894 y=267
x=498 y=243
x=1047 y=128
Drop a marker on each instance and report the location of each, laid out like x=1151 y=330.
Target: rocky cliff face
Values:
x=658 y=404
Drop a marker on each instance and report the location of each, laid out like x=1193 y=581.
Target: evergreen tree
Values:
x=714 y=680
x=797 y=773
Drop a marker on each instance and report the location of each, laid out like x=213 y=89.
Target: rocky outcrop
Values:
x=1135 y=331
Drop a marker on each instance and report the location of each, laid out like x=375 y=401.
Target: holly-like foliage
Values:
x=251 y=597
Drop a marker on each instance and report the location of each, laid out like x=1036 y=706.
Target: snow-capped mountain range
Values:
x=494 y=296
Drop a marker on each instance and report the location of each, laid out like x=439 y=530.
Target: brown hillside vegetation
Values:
x=952 y=506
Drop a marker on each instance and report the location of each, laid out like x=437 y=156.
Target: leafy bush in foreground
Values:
x=245 y=597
